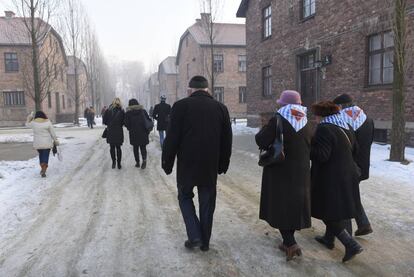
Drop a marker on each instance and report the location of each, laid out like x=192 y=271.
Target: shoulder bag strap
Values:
x=347 y=138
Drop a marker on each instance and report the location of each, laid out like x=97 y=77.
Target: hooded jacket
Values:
x=135 y=123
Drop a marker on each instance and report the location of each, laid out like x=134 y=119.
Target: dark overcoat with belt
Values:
x=114 y=120
x=135 y=118
x=335 y=175
x=161 y=113
x=285 y=196
x=200 y=136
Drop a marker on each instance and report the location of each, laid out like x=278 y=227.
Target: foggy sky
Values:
x=145 y=30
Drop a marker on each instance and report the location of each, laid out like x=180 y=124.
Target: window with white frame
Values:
x=14 y=98
x=381 y=59
x=242 y=63
x=267 y=22
x=308 y=8
x=218 y=63
x=219 y=94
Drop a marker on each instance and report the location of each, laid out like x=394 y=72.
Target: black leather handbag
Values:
x=274 y=154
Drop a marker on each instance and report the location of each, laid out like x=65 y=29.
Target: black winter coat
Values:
x=285 y=197
x=161 y=113
x=114 y=120
x=365 y=138
x=335 y=177
x=135 y=123
x=200 y=135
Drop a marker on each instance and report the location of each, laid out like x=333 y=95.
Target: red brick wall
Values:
x=340 y=29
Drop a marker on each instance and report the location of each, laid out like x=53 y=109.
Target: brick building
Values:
x=16 y=82
x=154 y=89
x=194 y=58
x=84 y=95
x=167 y=78
x=323 y=48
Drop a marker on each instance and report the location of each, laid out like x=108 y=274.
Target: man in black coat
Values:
x=363 y=127
x=161 y=114
x=200 y=135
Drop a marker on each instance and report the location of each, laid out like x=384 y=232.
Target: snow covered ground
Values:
x=86 y=219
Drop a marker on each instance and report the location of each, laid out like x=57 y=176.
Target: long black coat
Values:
x=285 y=197
x=335 y=178
x=200 y=136
x=161 y=113
x=365 y=138
x=114 y=120
x=135 y=123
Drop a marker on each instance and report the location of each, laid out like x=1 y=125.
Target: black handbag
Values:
x=274 y=154
x=105 y=133
x=149 y=124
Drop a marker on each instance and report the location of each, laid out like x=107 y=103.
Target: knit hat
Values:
x=133 y=102
x=289 y=97
x=198 y=82
x=325 y=108
x=343 y=99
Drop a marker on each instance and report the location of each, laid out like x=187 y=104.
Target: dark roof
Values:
x=168 y=66
x=241 y=12
x=226 y=34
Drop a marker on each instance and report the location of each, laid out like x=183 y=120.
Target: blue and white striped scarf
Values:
x=336 y=119
x=295 y=115
x=354 y=116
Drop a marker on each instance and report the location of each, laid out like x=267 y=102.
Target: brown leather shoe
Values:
x=293 y=251
x=364 y=230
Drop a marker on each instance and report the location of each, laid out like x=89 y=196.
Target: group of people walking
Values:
x=316 y=173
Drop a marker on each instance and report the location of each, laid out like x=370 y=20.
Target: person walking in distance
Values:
x=161 y=114
x=135 y=119
x=285 y=197
x=114 y=120
x=44 y=138
x=200 y=136
x=334 y=175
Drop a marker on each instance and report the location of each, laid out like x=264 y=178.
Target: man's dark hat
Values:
x=198 y=82
x=343 y=99
x=325 y=108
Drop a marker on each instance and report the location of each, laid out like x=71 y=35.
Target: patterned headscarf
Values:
x=354 y=116
x=295 y=115
x=335 y=119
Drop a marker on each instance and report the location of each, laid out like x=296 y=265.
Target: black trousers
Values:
x=198 y=228
x=118 y=155
x=143 y=149
x=335 y=227
x=288 y=237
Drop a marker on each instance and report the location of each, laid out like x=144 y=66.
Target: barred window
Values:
x=242 y=95
x=14 y=98
x=381 y=59
x=242 y=63
x=267 y=22
x=267 y=80
x=11 y=62
x=218 y=63
x=219 y=94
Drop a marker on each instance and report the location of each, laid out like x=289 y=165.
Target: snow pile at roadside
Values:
x=240 y=128
x=17 y=138
x=397 y=172
x=82 y=123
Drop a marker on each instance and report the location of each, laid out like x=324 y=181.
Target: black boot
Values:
x=352 y=247
x=137 y=165
x=113 y=164
x=328 y=240
x=144 y=164
x=119 y=165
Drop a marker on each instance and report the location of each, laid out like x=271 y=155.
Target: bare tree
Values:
x=401 y=47
x=38 y=76
x=210 y=12
x=73 y=21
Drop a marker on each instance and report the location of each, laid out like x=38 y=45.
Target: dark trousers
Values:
x=143 y=149
x=118 y=155
x=360 y=216
x=344 y=224
x=288 y=237
x=198 y=228
x=335 y=227
x=44 y=155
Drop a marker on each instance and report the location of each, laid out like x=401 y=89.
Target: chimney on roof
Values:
x=9 y=14
x=206 y=18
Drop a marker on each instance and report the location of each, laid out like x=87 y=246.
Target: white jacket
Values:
x=43 y=133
